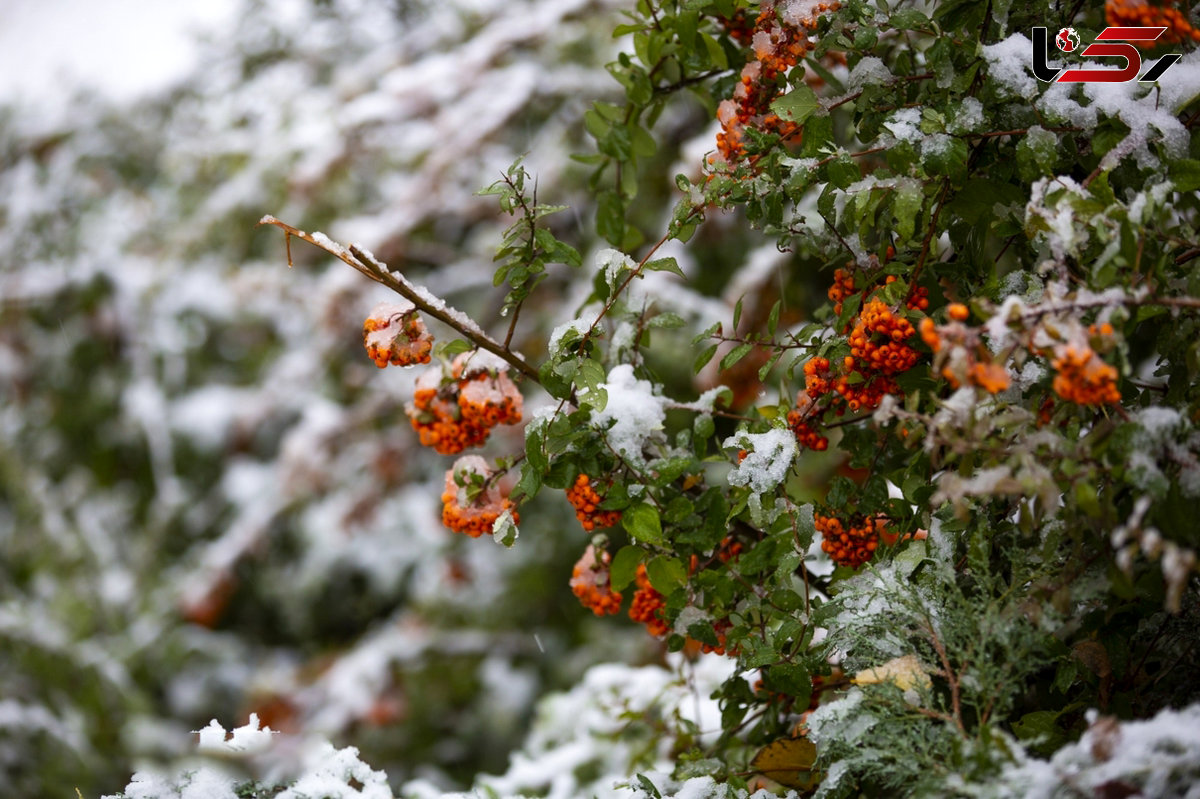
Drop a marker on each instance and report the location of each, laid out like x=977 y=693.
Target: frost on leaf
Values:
x=634 y=411
x=768 y=458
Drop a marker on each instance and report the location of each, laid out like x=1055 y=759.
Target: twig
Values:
x=941 y=202
x=425 y=302
x=955 y=701
x=635 y=272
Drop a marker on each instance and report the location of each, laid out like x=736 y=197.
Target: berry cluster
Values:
x=586 y=501
x=720 y=628
x=590 y=583
x=850 y=543
x=453 y=414
x=1142 y=14
x=739 y=27
x=799 y=418
x=1085 y=379
x=877 y=353
x=961 y=354
x=877 y=341
x=779 y=41
x=648 y=606
x=471 y=501
x=729 y=549
x=844 y=286
x=394 y=334
x=918 y=296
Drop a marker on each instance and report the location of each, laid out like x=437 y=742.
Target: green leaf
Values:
x=1185 y=174
x=949 y=160
x=667 y=320
x=797 y=105
x=504 y=531
x=791 y=679
x=535 y=455
x=666 y=574
x=906 y=205
x=665 y=265
x=735 y=355
x=704 y=357
x=642 y=523
x=910 y=19
x=624 y=566
x=646 y=785
x=842 y=171
x=610 y=217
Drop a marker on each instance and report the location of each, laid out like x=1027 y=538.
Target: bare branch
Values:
x=419 y=296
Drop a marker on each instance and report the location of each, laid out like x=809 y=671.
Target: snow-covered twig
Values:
x=419 y=296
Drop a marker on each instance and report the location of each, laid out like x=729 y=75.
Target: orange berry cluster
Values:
x=648 y=606
x=720 y=628
x=918 y=296
x=471 y=502
x=394 y=334
x=930 y=334
x=877 y=341
x=739 y=27
x=451 y=416
x=850 y=543
x=590 y=583
x=843 y=287
x=800 y=419
x=805 y=435
x=878 y=352
x=778 y=46
x=974 y=363
x=586 y=501
x=1085 y=379
x=729 y=549
x=1141 y=14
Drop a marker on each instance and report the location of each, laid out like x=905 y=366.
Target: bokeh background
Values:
x=211 y=502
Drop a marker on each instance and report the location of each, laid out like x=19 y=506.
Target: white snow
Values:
x=249 y=739
x=768 y=458
x=635 y=411
x=1009 y=64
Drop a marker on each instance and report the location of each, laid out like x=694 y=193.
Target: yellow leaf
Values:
x=906 y=672
x=788 y=761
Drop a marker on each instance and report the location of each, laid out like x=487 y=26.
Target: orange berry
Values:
x=586 y=502
x=471 y=502
x=394 y=334
x=590 y=583
x=648 y=606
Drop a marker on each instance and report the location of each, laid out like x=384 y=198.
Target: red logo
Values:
x=1067 y=40
x=1111 y=43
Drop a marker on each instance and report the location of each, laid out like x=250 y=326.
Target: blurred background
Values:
x=211 y=501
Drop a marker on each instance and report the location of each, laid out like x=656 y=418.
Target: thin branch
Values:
x=951 y=677
x=420 y=297
x=635 y=272
x=685 y=82
x=941 y=202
